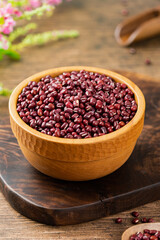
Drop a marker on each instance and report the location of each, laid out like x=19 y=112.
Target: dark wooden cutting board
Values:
x=56 y=202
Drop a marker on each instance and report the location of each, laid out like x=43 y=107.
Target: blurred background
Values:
x=96 y=21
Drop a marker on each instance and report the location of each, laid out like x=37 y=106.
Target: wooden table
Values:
x=96 y=46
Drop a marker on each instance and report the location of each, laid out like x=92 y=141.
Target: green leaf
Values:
x=13 y=54
x=4 y=91
x=9 y=52
x=2 y=53
x=20 y=3
x=2 y=20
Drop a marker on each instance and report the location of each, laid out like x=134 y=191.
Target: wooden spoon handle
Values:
x=139 y=27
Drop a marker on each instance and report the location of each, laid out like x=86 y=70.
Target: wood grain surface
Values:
x=96 y=46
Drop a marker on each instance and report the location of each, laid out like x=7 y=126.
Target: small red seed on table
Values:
x=144 y=220
x=135 y=214
x=148 y=61
x=125 y=12
x=132 y=50
x=150 y=220
x=135 y=221
x=118 y=220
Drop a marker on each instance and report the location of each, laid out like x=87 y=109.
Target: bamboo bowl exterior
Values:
x=77 y=159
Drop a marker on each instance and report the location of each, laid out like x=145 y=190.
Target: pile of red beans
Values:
x=146 y=235
x=76 y=105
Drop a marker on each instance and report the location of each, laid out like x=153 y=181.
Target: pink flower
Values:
x=27 y=8
x=9 y=9
x=9 y=15
x=35 y=3
x=38 y=3
x=53 y=2
x=7 y=27
x=6 y=10
x=17 y=13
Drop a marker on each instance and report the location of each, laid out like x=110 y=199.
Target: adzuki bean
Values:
x=146 y=235
x=76 y=105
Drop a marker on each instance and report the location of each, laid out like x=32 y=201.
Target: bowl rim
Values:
x=55 y=72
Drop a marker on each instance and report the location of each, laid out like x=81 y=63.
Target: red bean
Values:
x=146 y=235
x=144 y=220
x=39 y=112
x=135 y=221
x=150 y=220
x=76 y=105
x=118 y=220
x=135 y=214
x=57 y=132
x=93 y=101
x=25 y=119
x=99 y=104
x=69 y=105
x=31 y=105
x=153 y=238
x=134 y=108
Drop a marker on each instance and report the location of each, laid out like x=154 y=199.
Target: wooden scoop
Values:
x=139 y=27
x=139 y=228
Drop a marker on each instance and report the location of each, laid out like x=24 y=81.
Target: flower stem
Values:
x=21 y=31
x=42 y=38
x=36 y=12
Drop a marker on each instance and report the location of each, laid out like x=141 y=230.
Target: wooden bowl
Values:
x=140 y=228
x=77 y=159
